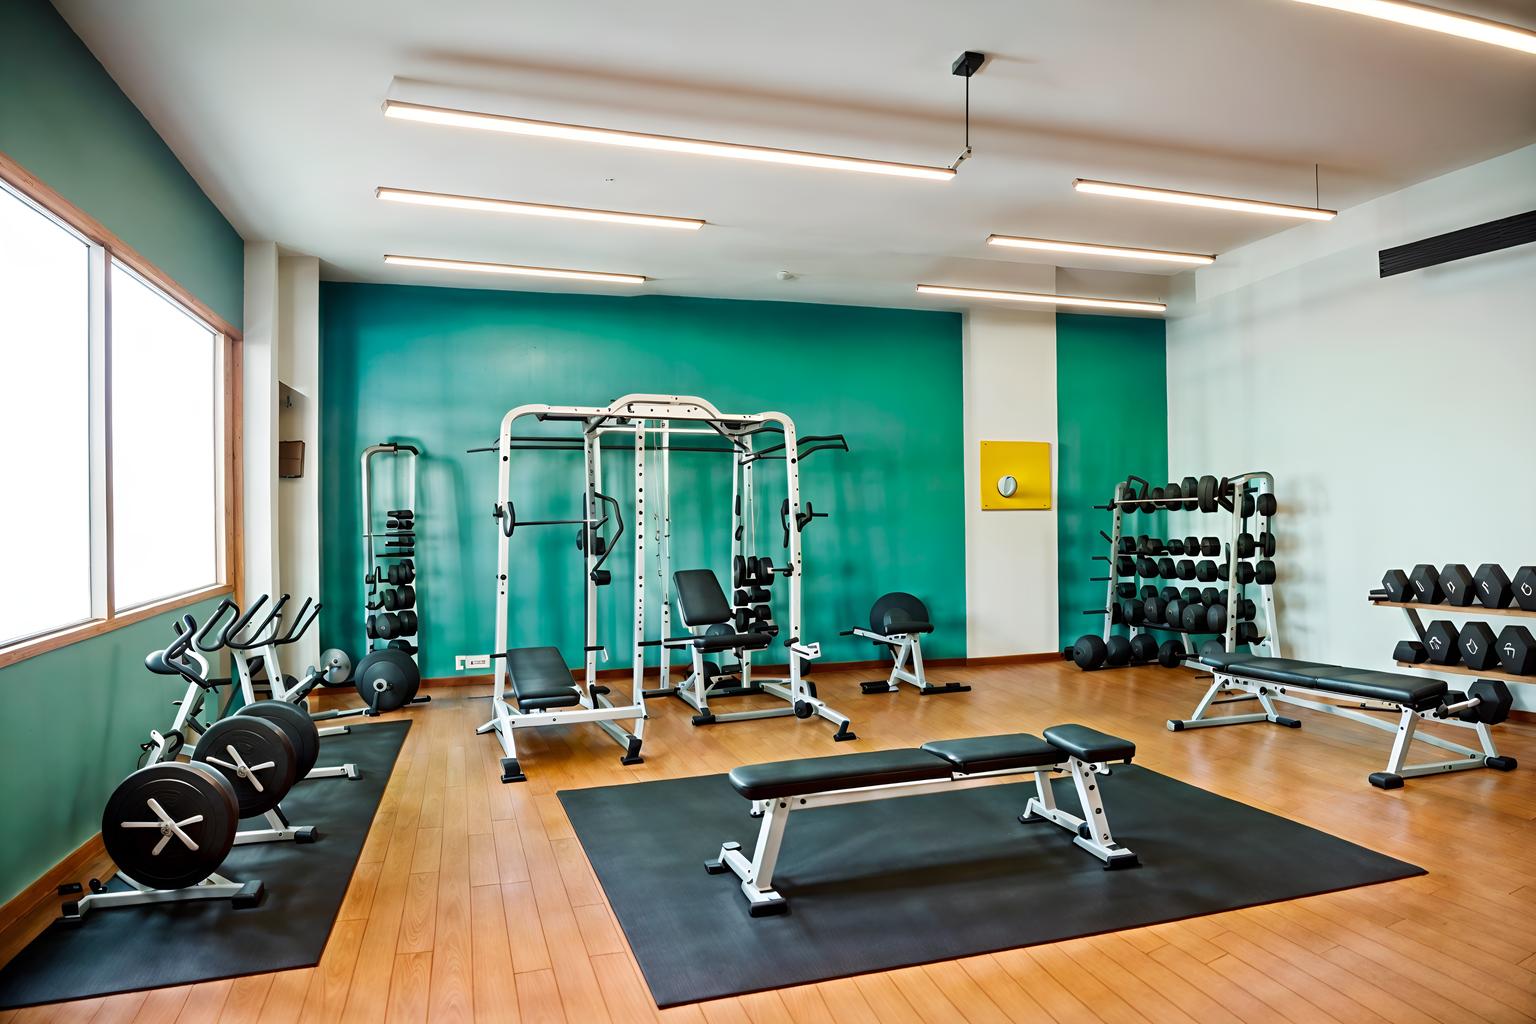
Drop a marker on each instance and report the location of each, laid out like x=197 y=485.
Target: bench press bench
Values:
x=1414 y=699
x=781 y=786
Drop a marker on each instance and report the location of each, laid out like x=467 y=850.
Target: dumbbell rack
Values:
x=1237 y=487
x=403 y=555
x=1412 y=609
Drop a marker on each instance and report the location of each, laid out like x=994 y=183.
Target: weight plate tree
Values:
x=392 y=602
x=1244 y=557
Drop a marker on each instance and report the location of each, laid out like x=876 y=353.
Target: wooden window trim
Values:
x=29 y=185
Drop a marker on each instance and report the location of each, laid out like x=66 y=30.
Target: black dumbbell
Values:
x=1088 y=652
x=1210 y=546
x=1264 y=572
x=1193 y=619
x=1124 y=591
x=1267 y=505
x=1189 y=595
x=1143 y=648
x=1246 y=545
x=1168 y=594
x=1167 y=569
x=1147 y=590
x=1206 y=571
x=1440 y=642
x=1410 y=652
x=1170 y=654
x=1173 y=613
x=1395 y=583
x=406 y=623
x=1456 y=584
x=1516 y=651
x=1152 y=610
x=1492 y=587
x=1216 y=618
x=1524 y=586
x=1117 y=651
x=1476 y=642
x=1210 y=596
x=1175 y=546
x=1186 y=569
x=1425 y=581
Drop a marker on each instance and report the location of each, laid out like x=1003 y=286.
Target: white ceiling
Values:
x=275 y=109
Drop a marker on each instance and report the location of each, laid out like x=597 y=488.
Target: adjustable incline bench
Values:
x=541 y=689
x=777 y=788
x=1413 y=698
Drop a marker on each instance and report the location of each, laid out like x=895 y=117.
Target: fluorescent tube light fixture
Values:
x=1094 y=249
x=1041 y=298
x=667 y=143
x=1166 y=195
x=405 y=195
x=1420 y=16
x=471 y=266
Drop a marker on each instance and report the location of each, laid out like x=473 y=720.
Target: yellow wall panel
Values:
x=1027 y=464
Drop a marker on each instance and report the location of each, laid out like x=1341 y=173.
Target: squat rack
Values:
x=639 y=416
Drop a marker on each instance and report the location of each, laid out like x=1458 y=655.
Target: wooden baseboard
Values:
x=39 y=901
x=611 y=674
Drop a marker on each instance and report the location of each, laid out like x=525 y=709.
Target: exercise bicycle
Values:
x=254 y=650
x=170 y=824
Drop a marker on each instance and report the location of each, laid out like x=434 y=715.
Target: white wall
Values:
x=1398 y=415
x=1010 y=556
x=281 y=517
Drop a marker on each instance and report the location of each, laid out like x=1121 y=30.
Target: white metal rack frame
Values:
x=373 y=530
x=1251 y=483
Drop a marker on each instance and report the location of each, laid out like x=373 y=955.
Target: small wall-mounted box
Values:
x=1015 y=475
x=290 y=459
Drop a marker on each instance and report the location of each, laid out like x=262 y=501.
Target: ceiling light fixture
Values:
x=640 y=140
x=431 y=263
x=1165 y=195
x=1094 y=249
x=405 y=195
x=1419 y=16
x=1041 y=297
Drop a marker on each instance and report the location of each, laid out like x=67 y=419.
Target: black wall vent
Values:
x=1458 y=245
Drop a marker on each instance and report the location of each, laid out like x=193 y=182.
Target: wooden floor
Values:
x=473 y=899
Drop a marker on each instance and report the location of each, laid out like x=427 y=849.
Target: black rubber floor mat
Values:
x=131 y=948
x=897 y=882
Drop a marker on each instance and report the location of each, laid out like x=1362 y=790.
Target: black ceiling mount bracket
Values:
x=968 y=63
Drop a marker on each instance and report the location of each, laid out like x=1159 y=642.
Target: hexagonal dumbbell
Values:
x=1395 y=583
x=1440 y=642
x=1456 y=584
x=1476 y=643
x=1525 y=587
x=1425 y=581
x=1516 y=650
x=1494 y=700
x=1492 y=586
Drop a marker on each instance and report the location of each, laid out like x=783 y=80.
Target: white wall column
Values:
x=260 y=427
x=1010 y=556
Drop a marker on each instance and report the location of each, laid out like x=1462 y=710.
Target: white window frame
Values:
x=105 y=249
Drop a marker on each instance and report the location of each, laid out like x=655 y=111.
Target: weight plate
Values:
x=1190 y=488
x=255 y=756
x=1117 y=651
x=1088 y=653
x=338 y=667
x=195 y=797
x=1170 y=654
x=296 y=723
x=1205 y=494
x=1194 y=617
x=387 y=679
x=1143 y=648
x=1267 y=505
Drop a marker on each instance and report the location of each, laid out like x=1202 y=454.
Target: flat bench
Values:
x=1309 y=684
x=781 y=786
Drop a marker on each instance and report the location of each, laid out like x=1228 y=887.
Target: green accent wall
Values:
x=73 y=722
x=1112 y=420
x=440 y=367
x=75 y=717
x=65 y=120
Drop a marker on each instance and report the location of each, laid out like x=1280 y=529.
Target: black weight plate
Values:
x=1247 y=506
x=1088 y=653
x=1267 y=505
x=1267 y=544
x=1246 y=545
x=387 y=679
x=1210 y=547
x=1152 y=610
x=1125 y=590
x=1190 y=488
x=183 y=792
x=1205 y=570
x=1117 y=651
x=1166 y=569
x=1131 y=612
x=295 y=721
x=271 y=765
x=1173 y=613
x=1143 y=648
x=898 y=605
x=1168 y=594
x=1210 y=596
x=1264 y=572
x=1125 y=565
x=1194 y=617
x=1186 y=569
x=1170 y=654
x=1244 y=572
x=1192 y=546
x=1216 y=618
x=1206 y=494
x=1189 y=595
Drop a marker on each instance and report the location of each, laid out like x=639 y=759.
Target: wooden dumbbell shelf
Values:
x=1412 y=609
x=1460 y=609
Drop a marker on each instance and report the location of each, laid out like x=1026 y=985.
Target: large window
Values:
x=112 y=394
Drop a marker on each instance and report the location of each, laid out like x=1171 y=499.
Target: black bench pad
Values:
x=1087 y=744
x=732 y=642
x=1393 y=687
x=840 y=771
x=995 y=753
x=540 y=679
x=895 y=625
